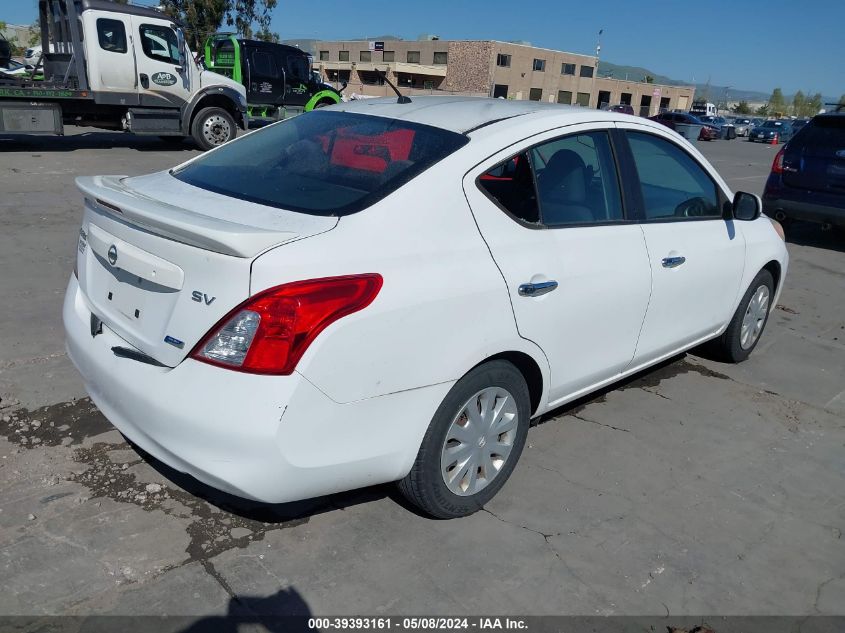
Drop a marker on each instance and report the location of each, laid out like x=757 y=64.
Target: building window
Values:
x=564 y=97
x=535 y=94
x=428 y=84
x=441 y=57
x=503 y=60
x=324 y=56
x=586 y=71
x=413 y=57
x=583 y=99
x=567 y=69
x=540 y=65
x=500 y=91
x=371 y=78
x=389 y=56
x=343 y=56
x=366 y=56
x=625 y=99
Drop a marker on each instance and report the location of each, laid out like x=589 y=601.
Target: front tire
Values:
x=212 y=127
x=472 y=444
x=748 y=322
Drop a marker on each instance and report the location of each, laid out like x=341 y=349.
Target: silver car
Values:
x=743 y=126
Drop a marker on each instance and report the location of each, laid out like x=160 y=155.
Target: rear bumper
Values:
x=267 y=438
x=804 y=205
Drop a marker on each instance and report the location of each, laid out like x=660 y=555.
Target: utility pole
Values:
x=596 y=70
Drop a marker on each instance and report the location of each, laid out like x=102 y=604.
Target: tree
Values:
x=649 y=79
x=776 y=101
x=814 y=105
x=763 y=110
x=799 y=104
x=742 y=108
x=842 y=100
x=205 y=17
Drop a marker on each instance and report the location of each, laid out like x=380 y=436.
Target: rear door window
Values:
x=111 y=35
x=324 y=163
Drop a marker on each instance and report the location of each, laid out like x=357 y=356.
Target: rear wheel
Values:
x=472 y=444
x=744 y=331
x=213 y=127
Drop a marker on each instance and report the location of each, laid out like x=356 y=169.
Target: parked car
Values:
x=807 y=181
x=743 y=126
x=211 y=328
x=797 y=124
x=773 y=131
x=726 y=129
x=709 y=133
x=32 y=55
x=687 y=125
x=624 y=108
x=13 y=68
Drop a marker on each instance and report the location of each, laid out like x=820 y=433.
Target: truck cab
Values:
x=122 y=66
x=279 y=79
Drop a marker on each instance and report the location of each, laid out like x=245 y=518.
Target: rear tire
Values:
x=748 y=322
x=467 y=455
x=212 y=127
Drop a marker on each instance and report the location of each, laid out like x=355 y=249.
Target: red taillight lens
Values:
x=269 y=333
x=777 y=163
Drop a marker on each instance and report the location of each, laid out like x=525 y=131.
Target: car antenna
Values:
x=402 y=98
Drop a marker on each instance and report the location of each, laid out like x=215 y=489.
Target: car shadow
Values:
x=811 y=234
x=92 y=140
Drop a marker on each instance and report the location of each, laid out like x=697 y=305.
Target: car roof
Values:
x=466 y=114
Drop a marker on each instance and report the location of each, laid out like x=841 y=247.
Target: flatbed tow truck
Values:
x=120 y=67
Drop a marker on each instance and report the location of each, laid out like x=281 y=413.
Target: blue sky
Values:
x=753 y=45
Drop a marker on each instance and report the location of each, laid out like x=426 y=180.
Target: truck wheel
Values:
x=212 y=127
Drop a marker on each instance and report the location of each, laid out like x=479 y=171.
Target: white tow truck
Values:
x=119 y=67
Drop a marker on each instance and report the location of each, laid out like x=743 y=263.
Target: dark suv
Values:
x=808 y=174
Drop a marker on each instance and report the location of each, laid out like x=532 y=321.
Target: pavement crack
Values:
x=545 y=536
x=819 y=590
x=610 y=426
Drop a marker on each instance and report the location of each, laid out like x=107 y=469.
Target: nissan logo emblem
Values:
x=113 y=255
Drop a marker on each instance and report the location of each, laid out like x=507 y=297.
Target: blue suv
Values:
x=807 y=181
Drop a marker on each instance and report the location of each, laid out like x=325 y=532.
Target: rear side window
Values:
x=112 y=35
x=265 y=64
x=826 y=133
x=323 y=163
x=674 y=185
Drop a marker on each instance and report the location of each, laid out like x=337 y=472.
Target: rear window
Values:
x=322 y=163
x=823 y=132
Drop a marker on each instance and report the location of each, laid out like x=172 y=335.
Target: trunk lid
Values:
x=161 y=261
x=815 y=159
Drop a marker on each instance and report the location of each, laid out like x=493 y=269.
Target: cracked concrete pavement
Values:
x=696 y=487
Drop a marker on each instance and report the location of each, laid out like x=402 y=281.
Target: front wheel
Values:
x=472 y=444
x=744 y=331
x=212 y=127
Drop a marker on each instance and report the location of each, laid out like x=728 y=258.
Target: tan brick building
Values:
x=488 y=68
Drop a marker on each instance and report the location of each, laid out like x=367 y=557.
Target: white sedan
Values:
x=382 y=291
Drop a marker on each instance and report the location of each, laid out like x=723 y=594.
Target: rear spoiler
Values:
x=108 y=195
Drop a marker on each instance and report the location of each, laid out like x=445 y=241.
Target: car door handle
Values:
x=145 y=80
x=673 y=262
x=538 y=289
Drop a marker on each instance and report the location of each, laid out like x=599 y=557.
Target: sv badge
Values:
x=201 y=297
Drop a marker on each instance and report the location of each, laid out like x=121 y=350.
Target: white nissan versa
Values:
x=382 y=291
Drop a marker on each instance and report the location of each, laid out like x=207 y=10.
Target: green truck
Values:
x=278 y=78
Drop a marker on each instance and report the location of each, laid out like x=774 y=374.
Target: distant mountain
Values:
x=712 y=92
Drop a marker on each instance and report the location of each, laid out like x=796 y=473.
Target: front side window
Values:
x=326 y=163
x=298 y=68
x=159 y=43
x=577 y=181
x=673 y=184
x=539 y=65
x=568 y=181
x=112 y=35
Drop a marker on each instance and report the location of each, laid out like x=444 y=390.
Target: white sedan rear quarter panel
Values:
x=443 y=307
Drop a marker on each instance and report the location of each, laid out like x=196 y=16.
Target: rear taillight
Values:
x=269 y=333
x=777 y=163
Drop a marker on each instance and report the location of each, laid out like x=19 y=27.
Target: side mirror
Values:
x=747 y=206
x=343 y=87
x=180 y=42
